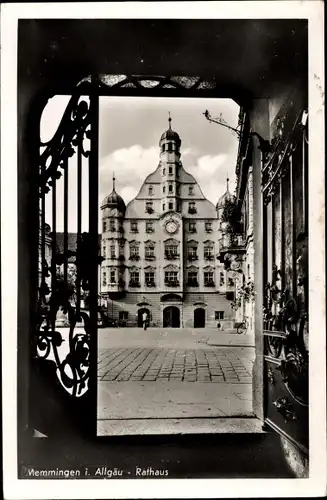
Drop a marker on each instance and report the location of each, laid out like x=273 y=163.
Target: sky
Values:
x=129 y=132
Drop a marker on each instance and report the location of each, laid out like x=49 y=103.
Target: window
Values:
x=208 y=252
x=112 y=276
x=171 y=252
x=149 y=251
x=208 y=278
x=112 y=226
x=170 y=170
x=192 y=252
x=170 y=188
x=149 y=278
x=149 y=227
x=191 y=208
x=192 y=278
x=112 y=252
x=134 y=252
x=164 y=189
x=149 y=207
x=104 y=278
x=170 y=206
x=192 y=227
x=123 y=315
x=222 y=279
x=231 y=282
x=134 y=228
x=163 y=206
x=134 y=278
x=104 y=226
x=230 y=296
x=208 y=227
x=191 y=190
x=219 y=315
x=164 y=170
x=150 y=190
x=170 y=147
x=104 y=250
x=171 y=277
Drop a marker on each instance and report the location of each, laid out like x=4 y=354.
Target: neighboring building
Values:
x=237 y=252
x=161 y=250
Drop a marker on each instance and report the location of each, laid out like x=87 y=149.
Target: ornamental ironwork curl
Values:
x=73 y=130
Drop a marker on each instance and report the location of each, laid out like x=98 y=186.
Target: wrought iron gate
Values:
x=68 y=268
x=285 y=227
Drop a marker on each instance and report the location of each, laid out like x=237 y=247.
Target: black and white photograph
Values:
x=163 y=268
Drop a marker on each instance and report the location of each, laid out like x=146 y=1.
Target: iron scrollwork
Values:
x=285 y=408
x=57 y=290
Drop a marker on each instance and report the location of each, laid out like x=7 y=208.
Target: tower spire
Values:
x=169 y=120
x=227 y=180
x=113 y=181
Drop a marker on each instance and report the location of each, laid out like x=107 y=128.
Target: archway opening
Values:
x=199 y=318
x=171 y=317
x=140 y=316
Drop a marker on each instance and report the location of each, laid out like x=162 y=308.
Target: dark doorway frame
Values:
x=171 y=317
x=199 y=317
x=139 y=316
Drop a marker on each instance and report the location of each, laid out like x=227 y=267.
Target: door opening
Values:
x=199 y=318
x=171 y=317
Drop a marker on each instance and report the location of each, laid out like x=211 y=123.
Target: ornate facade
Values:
x=160 y=251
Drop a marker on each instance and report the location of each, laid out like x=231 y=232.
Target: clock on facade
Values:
x=171 y=227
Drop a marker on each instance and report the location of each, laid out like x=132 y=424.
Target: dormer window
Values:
x=163 y=171
x=170 y=206
x=134 y=228
x=170 y=170
x=192 y=227
x=170 y=188
x=190 y=190
x=192 y=208
x=149 y=227
x=170 y=147
x=150 y=190
x=208 y=227
x=149 y=207
x=164 y=189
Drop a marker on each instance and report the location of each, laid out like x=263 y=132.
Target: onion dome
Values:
x=227 y=196
x=170 y=135
x=114 y=200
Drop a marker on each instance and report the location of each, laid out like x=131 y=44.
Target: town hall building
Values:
x=160 y=251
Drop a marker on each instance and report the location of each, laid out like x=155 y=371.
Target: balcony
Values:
x=171 y=256
x=172 y=283
x=150 y=257
x=134 y=257
x=192 y=257
x=231 y=244
x=134 y=284
x=209 y=283
x=193 y=283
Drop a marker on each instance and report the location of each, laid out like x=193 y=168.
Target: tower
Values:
x=112 y=242
x=170 y=163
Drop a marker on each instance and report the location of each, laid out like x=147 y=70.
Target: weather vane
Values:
x=220 y=121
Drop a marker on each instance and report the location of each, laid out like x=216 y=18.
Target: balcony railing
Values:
x=171 y=256
x=172 y=283
x=134 y=284
x=192 y=257
x=150 y=257
x=193 y=283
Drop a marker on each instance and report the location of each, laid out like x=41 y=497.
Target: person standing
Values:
x=144 y=320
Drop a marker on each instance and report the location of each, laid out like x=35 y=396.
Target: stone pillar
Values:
x=259 y=120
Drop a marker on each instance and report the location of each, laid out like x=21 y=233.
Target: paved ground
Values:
x=216 y=365
x=174 y=381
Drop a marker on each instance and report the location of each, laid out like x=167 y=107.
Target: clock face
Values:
x=171 y=227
